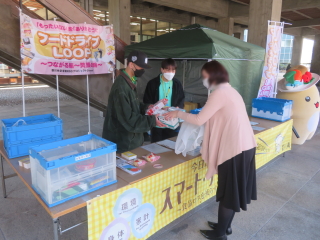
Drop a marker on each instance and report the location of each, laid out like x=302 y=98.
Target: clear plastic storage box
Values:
x=19 y=134
x=70 y=168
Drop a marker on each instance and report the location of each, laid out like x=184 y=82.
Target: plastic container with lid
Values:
x=70 y=168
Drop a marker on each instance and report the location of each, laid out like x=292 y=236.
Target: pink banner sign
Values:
x=58 y=48
x=271 y=64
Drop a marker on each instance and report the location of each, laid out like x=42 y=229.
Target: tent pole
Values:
x=184 y=73
x=58 y=95
x=23 y=97
x=88 y=101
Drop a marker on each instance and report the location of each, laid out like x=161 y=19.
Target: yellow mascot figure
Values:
x=299 y=85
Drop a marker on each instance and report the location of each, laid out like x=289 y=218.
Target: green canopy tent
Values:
x=194 y=45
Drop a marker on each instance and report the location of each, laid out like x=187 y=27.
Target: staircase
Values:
x=70 y=12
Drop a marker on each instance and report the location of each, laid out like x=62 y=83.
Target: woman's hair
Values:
x=167 y=63
x=217 y=73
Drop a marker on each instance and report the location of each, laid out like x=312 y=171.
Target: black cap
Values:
x=139 y=58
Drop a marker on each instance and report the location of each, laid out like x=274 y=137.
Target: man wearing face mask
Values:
x=125 y=120
x=164 y=86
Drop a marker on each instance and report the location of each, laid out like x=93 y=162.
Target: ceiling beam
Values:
x=213 y=8
x=238 y=10
x=304 y=23
x=180 y=11
x=141 y=10
x=309 y=31
x=238 y=1
x=305 y=31
x=302 y=14
x=149 y=26
x=150 y=5
x=292 y=5
x=293 y=31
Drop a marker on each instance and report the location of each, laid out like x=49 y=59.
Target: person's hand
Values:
x=150 y=106
x=170 y=115
x=159 y=124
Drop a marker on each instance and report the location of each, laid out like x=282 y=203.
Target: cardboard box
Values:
x=188 y=106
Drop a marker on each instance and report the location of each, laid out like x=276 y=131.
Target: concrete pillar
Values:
x=260 y=11
x=238 y=32
x=296 y=51
x=119 y=16
x=87 y=5
x=193 y=20
x=226 y=25
x=315 y=61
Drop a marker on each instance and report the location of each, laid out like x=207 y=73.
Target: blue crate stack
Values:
x=272 y=109
x=19 y=134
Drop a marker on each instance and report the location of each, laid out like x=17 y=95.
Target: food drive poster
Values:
x=139 y=210
x=58 y=48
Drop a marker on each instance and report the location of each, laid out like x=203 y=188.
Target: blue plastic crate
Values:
x=19 y=134
x=196 y=111
x=73 y=167
x=272 y=109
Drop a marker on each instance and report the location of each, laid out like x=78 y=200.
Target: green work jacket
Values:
x=125 y=120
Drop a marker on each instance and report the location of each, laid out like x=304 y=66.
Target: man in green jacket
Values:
x=125 y=120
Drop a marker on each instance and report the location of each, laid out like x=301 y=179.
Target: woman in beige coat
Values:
x=228 y=147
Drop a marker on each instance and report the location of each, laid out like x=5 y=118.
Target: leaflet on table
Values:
x=125 y=166
x=155 y=148
x=257 y=128
x=167 y=143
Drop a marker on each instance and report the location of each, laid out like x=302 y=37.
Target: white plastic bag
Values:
x=19 y=121
x=190 y=137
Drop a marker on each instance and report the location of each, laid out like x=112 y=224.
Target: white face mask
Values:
x=207 y=85
x=168 y=76
x=205 y=82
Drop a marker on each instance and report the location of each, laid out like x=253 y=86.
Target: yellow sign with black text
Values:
x=139 y=210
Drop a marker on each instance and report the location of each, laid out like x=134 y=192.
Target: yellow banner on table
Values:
x=139 y=210
x=273 y=142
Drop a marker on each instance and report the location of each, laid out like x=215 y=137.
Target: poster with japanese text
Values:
x=58 y=48
x=271 y=63
x=140 y=209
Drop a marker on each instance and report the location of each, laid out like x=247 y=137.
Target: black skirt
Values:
x=237 y=181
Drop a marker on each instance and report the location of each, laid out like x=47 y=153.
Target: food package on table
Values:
x=157 y=107
x=128 y=155
x=172 y=109
x=138 y=162
x=172 y=123
x=151 y=157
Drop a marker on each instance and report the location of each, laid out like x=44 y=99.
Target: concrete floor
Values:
x=288 y=206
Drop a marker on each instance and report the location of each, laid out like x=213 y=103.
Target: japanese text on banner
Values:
x=58 y=48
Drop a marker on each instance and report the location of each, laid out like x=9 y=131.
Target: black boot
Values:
x=208 y=234
x=214 y=225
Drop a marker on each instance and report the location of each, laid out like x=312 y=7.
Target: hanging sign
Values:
x=271 y=62
x=59 y=48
